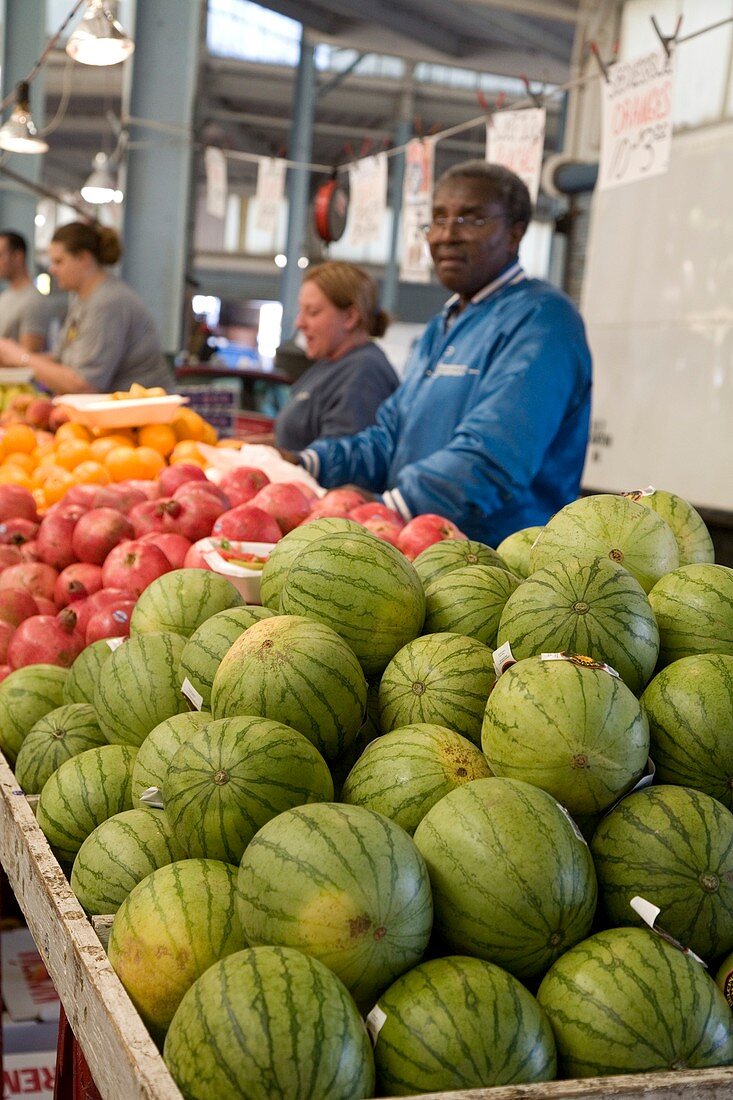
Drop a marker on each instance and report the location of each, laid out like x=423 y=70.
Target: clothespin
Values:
x=667 y=40
x=366 y=146
x=536 y=97
x=418 y=128
x=486 y=107
x=601 y=63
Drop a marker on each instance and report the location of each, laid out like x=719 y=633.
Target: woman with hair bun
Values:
x=109 y=339
x=340 y=393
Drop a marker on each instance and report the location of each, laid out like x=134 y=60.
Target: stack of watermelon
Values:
x=415 y=793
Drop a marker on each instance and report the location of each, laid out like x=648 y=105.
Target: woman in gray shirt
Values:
x=109 y=339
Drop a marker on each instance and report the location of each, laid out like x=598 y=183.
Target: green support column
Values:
x=24 y=37
x=163 y=85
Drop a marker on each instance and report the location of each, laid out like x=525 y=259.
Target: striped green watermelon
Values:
x=269 y=1023
x=588 y=606
x=468 y=601
x=210 y=642
x=460 y=1023
x=515 y=550
x=118 y=854
x=236 y=775
x=689 y=705
x=160 y=746
x=404 y=773
x=443 y=557
x=513 y=880
x=284 y=553
x=442 y=679
x=342 y=765
x=25 y=696
x=342 y=884
x=82 y=793
x=693 y=538
x=296 y=671
x=613 y=527
x=693 y=606
x=84 y=674
x=59 y=735
x=140 y=687
x=180 y=601
x=575 y=731
x=624 y=1001
x=170 y=928
x=363 y=588
x=674 y=847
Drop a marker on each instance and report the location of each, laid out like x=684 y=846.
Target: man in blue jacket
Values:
x=490 y=426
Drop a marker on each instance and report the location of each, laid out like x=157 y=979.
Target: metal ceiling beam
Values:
x=309 y=14
x=554 y=10
x=395 y=18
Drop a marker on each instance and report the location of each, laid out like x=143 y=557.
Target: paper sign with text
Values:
x=417 y=205
x=269 y=195
x=367 y=199
x=516 y=139
x=216 y=182
x=636 y=134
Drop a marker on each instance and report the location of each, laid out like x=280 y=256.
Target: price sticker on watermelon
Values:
x=649 y=914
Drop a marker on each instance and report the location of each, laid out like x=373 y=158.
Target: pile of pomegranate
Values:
x=72 y=576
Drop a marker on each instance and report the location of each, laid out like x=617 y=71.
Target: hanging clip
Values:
x=667 y=40
x=601 y=63
x=486 y=107
x=536 y=97
x=366 y=147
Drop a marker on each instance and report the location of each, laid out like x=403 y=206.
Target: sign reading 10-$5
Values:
x=636 y=135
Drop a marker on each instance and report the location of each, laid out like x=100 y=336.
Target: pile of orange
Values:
x=48 y=465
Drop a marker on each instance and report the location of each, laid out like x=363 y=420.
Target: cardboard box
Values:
x=29 y=1075
x=27 y=990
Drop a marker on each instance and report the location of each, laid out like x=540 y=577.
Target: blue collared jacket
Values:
x=490 y=426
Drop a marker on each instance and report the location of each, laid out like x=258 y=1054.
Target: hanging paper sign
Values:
x=368 y=199
x=269 y=194
x=417 y=208
x=216 y=182
x=516 y=139
x=636 y=127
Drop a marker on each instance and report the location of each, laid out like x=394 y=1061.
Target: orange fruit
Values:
x=187 y=451
x=160 y=437
x=13 y=475
x=40 y=498
x=230 y=444
x=23 y=461
x=120 y=462
x=18 y=437
x=101 y=447
x=72 y=430
x=57 y=485
x=189 y=425
x=148 y=463
x=91 y=472
x=122 y=435
x=70 y=452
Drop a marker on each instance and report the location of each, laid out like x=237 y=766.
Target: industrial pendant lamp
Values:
x=99 y=39
x=19 y=133
x=101 y=186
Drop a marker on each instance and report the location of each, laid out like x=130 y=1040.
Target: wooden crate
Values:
x=122 y=1057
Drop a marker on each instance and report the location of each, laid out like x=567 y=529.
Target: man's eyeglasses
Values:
x=467 y=223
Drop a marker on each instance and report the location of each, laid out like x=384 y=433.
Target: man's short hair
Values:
x=16 y=242
x=499 y=183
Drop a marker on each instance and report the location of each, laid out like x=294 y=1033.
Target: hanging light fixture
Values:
x=19 y=133
x=101 y=186
x=99 y=39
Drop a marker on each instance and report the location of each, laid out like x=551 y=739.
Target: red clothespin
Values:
x=667 y=40
x=366 y=147
x=417 y=125
x=536 y=97
x=386 y=143
x=601 y=63
x=488 y=110
x=434 y=129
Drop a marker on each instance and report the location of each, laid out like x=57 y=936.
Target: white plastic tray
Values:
x=98 y=410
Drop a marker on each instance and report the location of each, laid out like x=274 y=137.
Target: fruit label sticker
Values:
x=375 y=1022
x=194 y=697
x=728 y=987
x=581 y=661
x=649 y=914
x=115 y=643
x=503 y=658
x=153 y=797
x=637 y=494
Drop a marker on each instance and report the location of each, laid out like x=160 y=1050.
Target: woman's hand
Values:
x=11 y=353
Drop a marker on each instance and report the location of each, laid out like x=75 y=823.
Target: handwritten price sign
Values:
x=516 y=139
x=636 y=138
